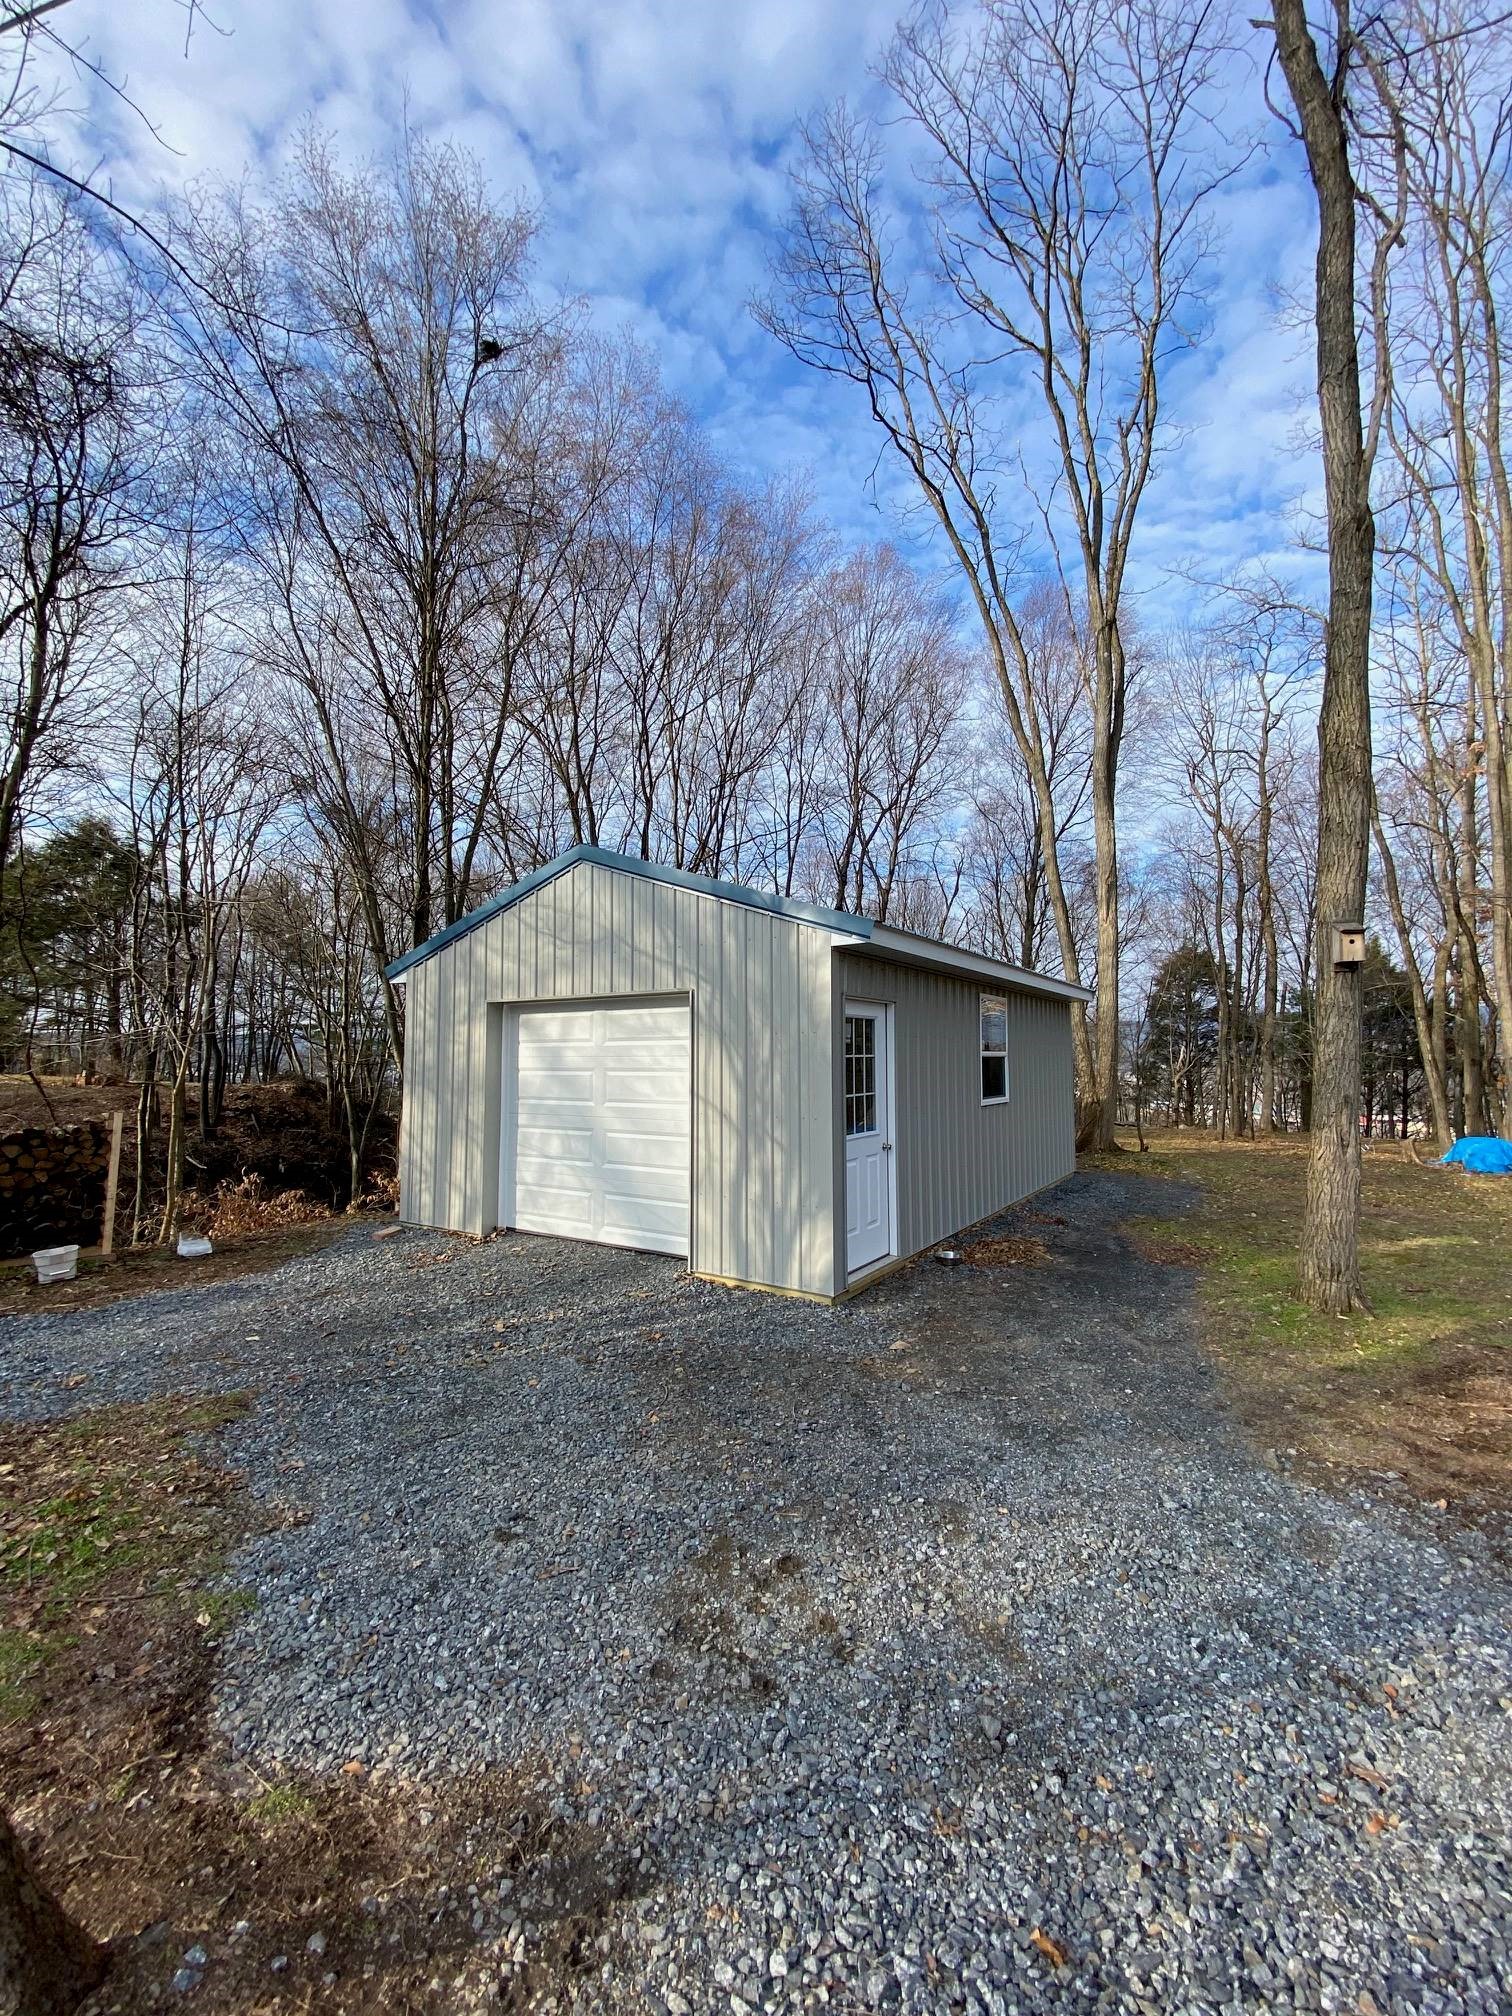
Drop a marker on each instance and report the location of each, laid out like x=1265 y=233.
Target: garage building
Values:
x=788 y=1096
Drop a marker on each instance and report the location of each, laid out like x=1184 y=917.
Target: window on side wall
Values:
x=994 y=1016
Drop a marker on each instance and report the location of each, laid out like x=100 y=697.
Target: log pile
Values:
x=52 y=1186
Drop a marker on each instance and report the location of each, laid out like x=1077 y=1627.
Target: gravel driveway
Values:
x=946 y=1649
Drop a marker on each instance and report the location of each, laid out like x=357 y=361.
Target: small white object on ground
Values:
x=56 y=1263
x=192 y=1247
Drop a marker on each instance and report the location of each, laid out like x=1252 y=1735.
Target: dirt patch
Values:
x=727 y=1583
x=141 y=1269
x=348 y=1895
x=1441 y=1433
x=107 y=1521
x=344 y=1893
x=60 y=1103
x=1165 y=1251
x=1005 y=1249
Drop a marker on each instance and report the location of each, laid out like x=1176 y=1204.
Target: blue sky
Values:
x=653 y=138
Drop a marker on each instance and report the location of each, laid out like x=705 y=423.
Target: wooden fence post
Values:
x=112 y=1181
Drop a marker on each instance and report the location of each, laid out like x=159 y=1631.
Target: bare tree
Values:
x=1330 y=1265
x=1068 y=230
x=1446 y=84
x=894 y=680
x=197 y=794
x=72 y=448
x=370 y=343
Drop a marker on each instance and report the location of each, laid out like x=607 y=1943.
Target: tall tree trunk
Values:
x=146 y=1127
x=1467 y=1040
x=1440 y=1022
x=1433 y=1078
x=173 y=1160
x=48 y=1964
x=1266 y=896
x=1330 y=1257
x=1105 y=834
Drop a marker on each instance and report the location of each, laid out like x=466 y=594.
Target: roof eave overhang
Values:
x=906 y=950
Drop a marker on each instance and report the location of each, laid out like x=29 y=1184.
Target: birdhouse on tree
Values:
x=1348 y=946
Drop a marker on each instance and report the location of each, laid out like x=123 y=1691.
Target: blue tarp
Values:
x=1483 y=1154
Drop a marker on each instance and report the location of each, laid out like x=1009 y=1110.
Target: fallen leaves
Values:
x=1367 y=1774
x=1052 y=1949
x=1004 y=1250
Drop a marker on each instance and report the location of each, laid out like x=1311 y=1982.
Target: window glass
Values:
x=860 y=1081
x=994 y=1048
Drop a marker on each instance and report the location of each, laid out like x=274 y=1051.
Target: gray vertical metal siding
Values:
x=763 y=1073
x=958 y=1160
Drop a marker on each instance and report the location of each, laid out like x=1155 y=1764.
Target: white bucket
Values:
x=56 y=1263
x=192 y=1247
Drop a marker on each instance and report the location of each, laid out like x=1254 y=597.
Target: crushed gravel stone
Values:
x=949 y=1649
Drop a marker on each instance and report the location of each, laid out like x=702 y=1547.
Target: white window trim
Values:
x=983 y=1051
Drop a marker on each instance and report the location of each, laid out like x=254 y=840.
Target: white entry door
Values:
x=602 y=1124
x=868 y=1137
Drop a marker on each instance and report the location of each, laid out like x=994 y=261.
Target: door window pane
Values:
x=860 y=1082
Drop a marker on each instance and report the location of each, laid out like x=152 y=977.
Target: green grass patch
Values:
x=1433 y=1248
x=280 y=1806
x=220 y=1609
x=1419 y=1383
x=21 y=1658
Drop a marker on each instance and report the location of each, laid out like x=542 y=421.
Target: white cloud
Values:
x=650 y=133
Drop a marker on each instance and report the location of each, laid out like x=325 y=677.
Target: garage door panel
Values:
x=650 y=1022
x=603 y=1124
x=554 y=1027
x=632 y=1063
x=549 y=1136
x=647 y=1151
x=641 y=1228
x=552 y=1086
x=565 y=1211
x=660 y=1097
x=631 y=1205
x=553 y=1172
x=651 y=1123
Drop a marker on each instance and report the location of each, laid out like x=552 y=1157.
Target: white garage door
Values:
x=603 y=1103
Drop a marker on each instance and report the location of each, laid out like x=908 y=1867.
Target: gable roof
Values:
x=863 y=933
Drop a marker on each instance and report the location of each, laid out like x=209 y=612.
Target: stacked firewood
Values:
x=52 y=1186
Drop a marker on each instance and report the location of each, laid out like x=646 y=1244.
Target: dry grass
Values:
x=1421 y=1387
x=248 y=1208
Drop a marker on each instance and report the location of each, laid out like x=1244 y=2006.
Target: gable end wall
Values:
x=763 y=1074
